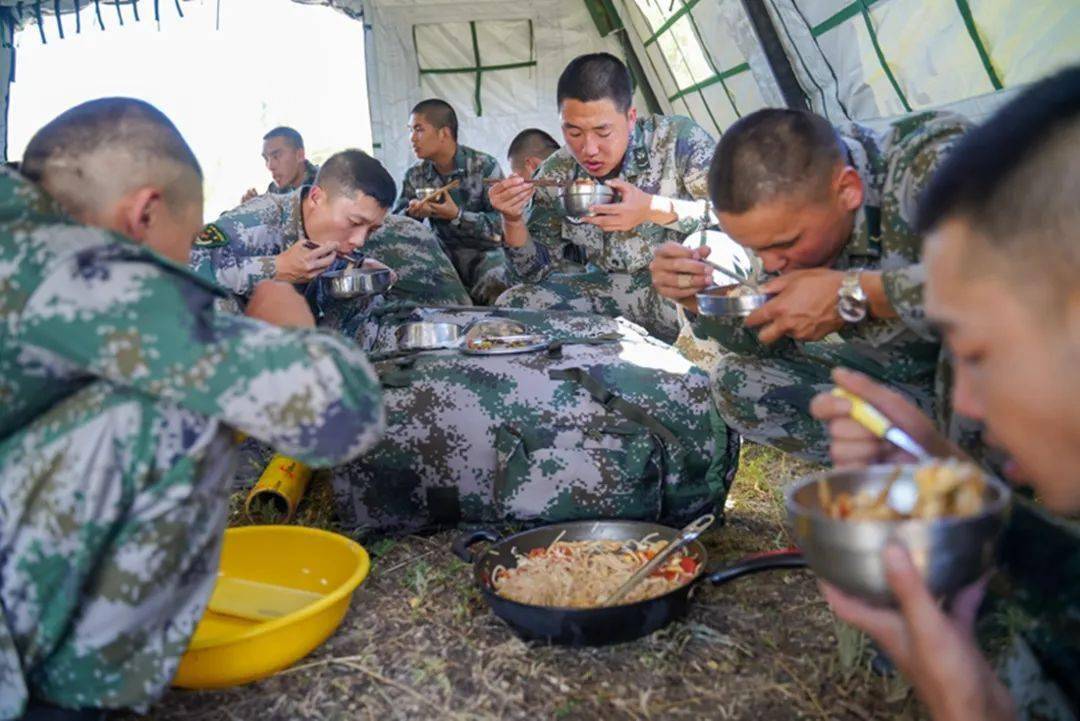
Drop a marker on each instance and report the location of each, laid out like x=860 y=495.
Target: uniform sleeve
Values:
x=481 y=229
x=694 y=150
x=408 y=192
x=918 y=154
x=532 y=262
x=226 y=267
x=238 y=249
x=307 y=393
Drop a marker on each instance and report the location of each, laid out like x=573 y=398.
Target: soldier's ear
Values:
x=849 y=189
x=137 y=212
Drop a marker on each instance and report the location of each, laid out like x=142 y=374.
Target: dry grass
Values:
x=420 y=643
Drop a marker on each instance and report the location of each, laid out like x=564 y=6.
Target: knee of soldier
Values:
x=514 y=297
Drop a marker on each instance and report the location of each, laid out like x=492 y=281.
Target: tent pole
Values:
x=794 y=97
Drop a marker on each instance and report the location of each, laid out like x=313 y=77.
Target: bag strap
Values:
x=614 y=403
x=556 y=346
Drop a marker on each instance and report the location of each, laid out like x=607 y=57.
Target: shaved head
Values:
x=91 y=156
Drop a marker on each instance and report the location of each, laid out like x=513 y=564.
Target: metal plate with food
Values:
x=948 y=514
x=503 y=344
x=353 y=282
x=730 y=301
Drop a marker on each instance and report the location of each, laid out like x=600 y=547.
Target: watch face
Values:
x=851 y=310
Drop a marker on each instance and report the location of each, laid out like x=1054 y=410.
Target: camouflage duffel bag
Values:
x=604 y=422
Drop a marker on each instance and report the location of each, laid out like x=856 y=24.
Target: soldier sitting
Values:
x=657 y=165
x=120 y=384
x=284 y=155
x=463 y=218
x=299 y=236
x=1003 y=284
x=528 y=151
x=830 y=213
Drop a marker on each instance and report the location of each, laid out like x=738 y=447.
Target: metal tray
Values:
x=715 y=301
x=536 y=343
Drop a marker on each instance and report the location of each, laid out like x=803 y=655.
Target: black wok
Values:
x=605 y=625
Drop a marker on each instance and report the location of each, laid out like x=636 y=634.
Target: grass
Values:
x=419 y=642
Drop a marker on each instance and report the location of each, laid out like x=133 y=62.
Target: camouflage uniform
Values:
x=764 y=391
x=667 y=156
x=116 y=380
x=238 y=250
x=1030 y=621
x=474 y=241
x=310 y=173
x=606 y=423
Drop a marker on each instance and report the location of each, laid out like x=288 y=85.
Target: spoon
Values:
x=685 y=536
x=747 y=282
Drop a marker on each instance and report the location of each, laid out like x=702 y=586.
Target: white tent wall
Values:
x=405 y=34
x=873 y=59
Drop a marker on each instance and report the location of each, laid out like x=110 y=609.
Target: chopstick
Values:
x=742 y=281
x=538 y=182
x=436 y=193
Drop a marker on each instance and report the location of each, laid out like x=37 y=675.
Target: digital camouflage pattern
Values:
x=524 y=437
x=474 y=242
x=238 y=251
x=310 y=173
x=81 y=308
x=1030 y=621
x=764 y=391
x=667 y=156
x=114 y=505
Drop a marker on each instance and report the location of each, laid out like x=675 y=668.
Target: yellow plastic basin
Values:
x=281 y=591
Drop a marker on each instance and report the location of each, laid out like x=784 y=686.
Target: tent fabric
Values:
x=411 y=41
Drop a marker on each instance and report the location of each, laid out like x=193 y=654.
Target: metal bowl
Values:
x=427 y=336
x=352 y=282
x=950 y=552
x=422 y=193
x=715 y=301
x=493 y=327
x=578 y=198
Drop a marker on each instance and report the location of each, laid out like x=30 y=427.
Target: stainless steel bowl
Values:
x=950 y=552
x=578 y=198
x=427 y=336
x=493 y=327
x=352 y=282
x=715 y=301
x=422 y=193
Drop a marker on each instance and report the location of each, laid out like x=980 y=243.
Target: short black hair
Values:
x=291 y=136
x=141 y=139
x=532 y=143
x=597 y=76
x=352 y=171
x=439 y=113
x=773 y=153
x=1013 y=181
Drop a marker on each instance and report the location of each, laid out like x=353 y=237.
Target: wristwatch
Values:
x=851 y=298
x=457 y=220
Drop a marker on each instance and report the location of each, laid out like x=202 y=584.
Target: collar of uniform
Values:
x=461 y=161
x=294 y=225
x=636 y=160
x=865 y=240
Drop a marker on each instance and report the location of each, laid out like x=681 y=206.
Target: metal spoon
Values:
x=748 y=282
x=685 y=536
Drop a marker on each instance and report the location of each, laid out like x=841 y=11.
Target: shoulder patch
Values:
x=210 y=237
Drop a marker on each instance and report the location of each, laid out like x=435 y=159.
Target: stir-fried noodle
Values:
x=582 y=574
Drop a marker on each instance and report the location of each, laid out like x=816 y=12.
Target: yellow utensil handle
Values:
x=865 y=414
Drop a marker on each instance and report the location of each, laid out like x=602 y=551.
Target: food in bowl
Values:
x=942 y=488
x=505 y=342
x=583 y=574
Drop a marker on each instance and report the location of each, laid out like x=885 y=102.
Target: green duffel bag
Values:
x=602 y=422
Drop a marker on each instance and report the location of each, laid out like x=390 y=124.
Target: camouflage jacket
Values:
x=310 y=171
x=895 y=166
x=667 y=156
x=480 y=226
x=238 y=249
x=80 y=304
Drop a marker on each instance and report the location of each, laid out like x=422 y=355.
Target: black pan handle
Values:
x=767 y=561
x=460 y=546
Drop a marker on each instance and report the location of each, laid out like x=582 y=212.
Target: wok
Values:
x=604 y=625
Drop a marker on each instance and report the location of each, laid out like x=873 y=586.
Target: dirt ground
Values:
x=420 y=643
